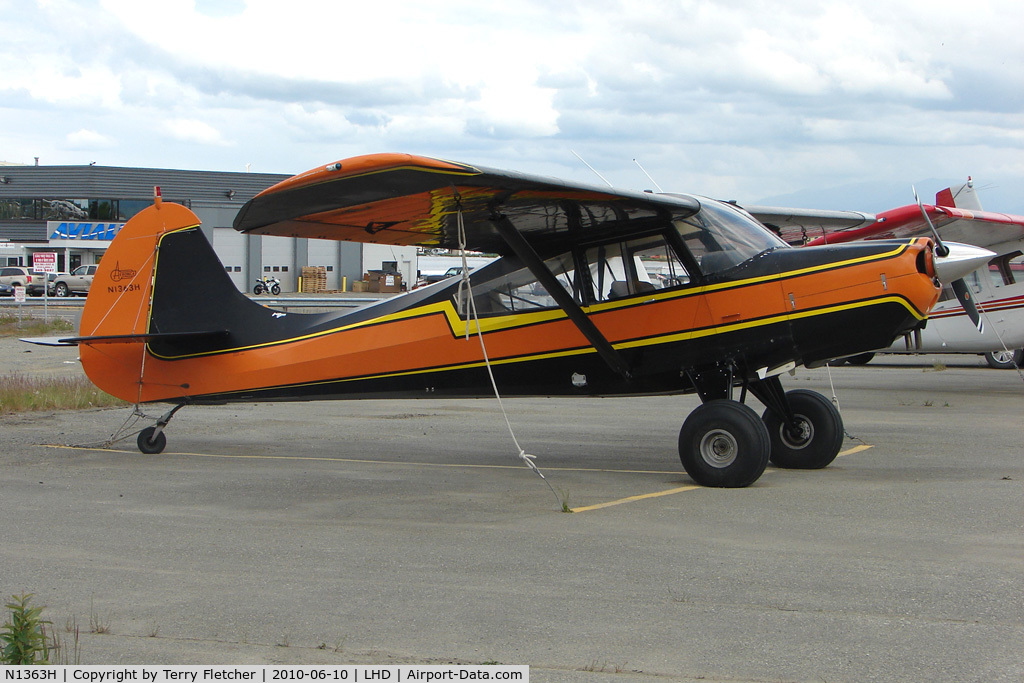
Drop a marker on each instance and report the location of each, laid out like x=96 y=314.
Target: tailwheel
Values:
x=152 y=441
x=813 y=439
x=724 y=443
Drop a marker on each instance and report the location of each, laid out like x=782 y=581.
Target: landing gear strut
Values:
x=152 y=440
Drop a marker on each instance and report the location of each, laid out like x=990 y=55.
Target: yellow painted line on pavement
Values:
x=855 y=449
x=630 y=499
x=681 y=489
x=362 y=461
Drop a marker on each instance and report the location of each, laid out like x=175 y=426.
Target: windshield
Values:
x=721 y=236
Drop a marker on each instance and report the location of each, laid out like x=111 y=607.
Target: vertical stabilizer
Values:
x=120 y=298
x=960 y=197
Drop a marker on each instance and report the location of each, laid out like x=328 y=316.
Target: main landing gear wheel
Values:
x=724 y=443
x=1005 y=360
x=152 y=442
x=815 y=438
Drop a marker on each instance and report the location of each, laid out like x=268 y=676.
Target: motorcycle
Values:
x=267 y=284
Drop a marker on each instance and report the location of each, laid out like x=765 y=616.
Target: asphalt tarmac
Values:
x=409 y=532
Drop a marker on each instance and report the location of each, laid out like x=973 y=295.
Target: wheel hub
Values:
x=797 y=435
x=718 y=448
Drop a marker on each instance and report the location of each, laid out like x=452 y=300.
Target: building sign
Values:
x=67 y=230
x=45 y=261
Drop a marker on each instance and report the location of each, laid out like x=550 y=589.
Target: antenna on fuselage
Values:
x=649 y=176
x=591 y=168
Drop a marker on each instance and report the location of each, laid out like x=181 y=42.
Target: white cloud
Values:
x=84 y=139
x=192 y=130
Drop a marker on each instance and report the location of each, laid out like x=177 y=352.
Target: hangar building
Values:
x=76 y=210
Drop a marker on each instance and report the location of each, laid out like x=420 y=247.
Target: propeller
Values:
x=952 y=262
x=963 y=295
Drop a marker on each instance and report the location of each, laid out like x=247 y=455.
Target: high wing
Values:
x=410 y=200
x=800 y=226
x=981 y=228
x=956 y=214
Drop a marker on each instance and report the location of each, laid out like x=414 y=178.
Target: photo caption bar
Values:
x=355 y=673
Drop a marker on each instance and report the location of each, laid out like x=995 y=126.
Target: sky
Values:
x=736 y=99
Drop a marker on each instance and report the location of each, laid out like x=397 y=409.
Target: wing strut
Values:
x=528 y=256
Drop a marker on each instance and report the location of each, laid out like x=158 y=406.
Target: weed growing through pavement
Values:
x=565 y=500
x=98 y=624
x=23 y=639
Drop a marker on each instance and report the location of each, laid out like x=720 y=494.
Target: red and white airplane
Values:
x=997 y=288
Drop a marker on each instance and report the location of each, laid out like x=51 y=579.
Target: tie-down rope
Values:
x=470 y=313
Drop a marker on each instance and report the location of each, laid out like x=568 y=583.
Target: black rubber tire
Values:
x=275 y=289
x=61 y=290
x=257 y=290
x=859 y=359
x=1001 y=360
x=821 y=432
x=149 y=444
x=724 y=444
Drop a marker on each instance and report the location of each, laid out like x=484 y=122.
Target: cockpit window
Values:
x=721 y=236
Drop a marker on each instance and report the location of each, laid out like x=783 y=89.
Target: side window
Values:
x=519 y=291
x=634 y=267
x=92 y=270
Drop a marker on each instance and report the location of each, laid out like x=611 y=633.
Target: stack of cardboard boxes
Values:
x=383 y=281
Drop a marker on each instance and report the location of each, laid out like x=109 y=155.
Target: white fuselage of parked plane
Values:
x=950 y=331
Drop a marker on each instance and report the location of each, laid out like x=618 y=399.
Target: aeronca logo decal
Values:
x=119 y=273
x=85 y=231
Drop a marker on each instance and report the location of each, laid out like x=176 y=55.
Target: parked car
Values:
x=76 y=282
x=36 y=288
x=437 y=277
x=6 y=290
x=18 y=276
x=51 y=284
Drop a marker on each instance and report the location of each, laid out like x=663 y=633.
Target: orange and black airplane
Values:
x=597 y=292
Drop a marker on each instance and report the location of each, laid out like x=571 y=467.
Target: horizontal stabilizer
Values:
x=125 y=338
x=47 y=341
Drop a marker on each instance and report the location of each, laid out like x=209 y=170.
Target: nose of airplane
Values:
x=962 y=259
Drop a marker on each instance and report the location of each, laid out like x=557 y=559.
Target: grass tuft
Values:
x=22 y=393
x=23 y=639
x=13 y=326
